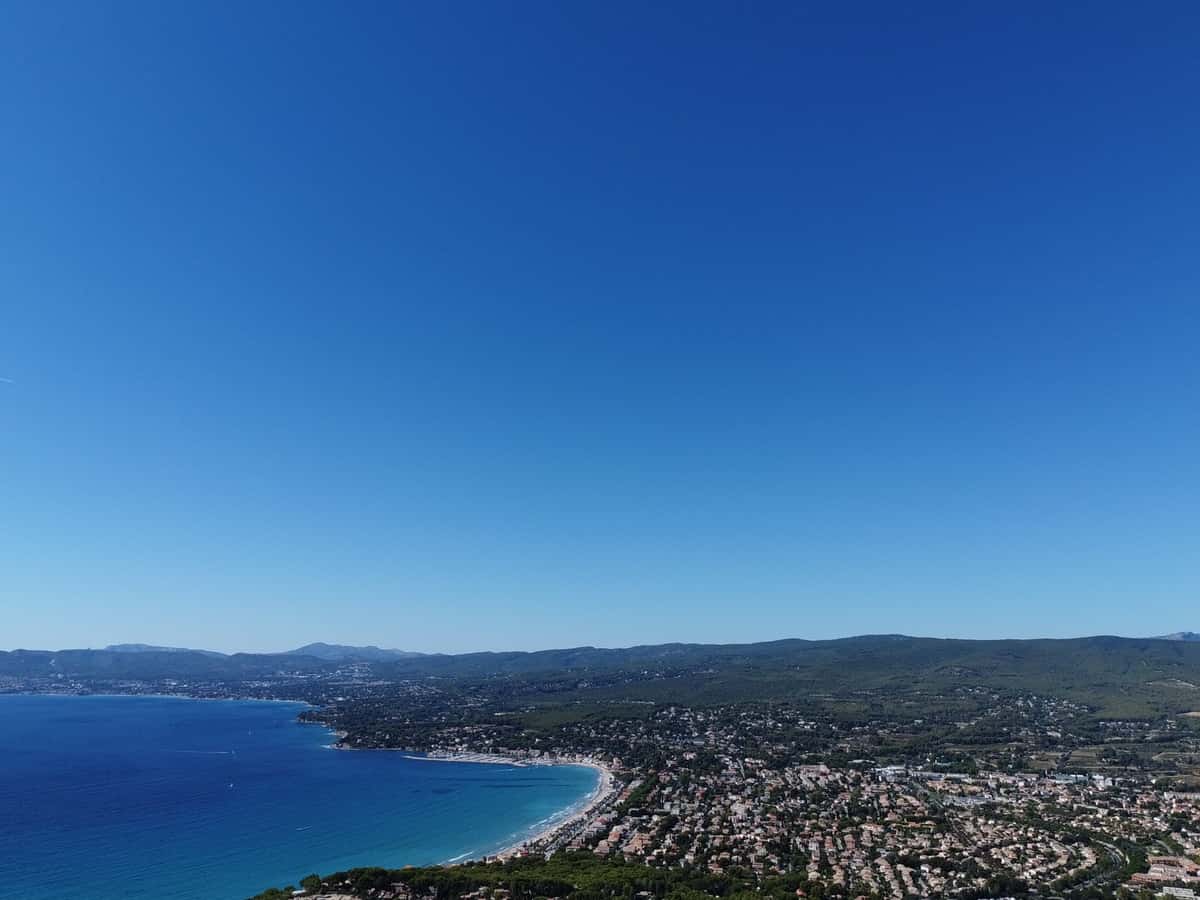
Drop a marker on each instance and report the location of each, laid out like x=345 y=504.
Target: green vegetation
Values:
x=1117 y=677
x=580 y=876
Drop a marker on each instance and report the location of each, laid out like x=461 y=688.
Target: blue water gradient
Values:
x=174 y=799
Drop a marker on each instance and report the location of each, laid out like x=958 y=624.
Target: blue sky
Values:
x=483 y=325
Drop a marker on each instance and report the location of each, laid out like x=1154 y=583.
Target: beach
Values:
x=603 y=791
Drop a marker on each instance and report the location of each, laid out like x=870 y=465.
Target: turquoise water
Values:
x=171 y=799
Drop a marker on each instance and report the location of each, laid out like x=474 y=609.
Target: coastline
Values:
x=603 y=791
x=381 y=829
x=534 y=842
x=158 y=696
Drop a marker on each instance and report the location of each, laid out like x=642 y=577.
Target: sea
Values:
x=174 y=799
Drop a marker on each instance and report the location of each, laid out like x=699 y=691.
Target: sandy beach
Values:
x=604 y=789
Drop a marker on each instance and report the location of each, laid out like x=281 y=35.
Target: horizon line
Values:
x=1168 y=636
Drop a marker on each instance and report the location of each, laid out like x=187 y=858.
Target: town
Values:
x=894 y=831
x=955 y=788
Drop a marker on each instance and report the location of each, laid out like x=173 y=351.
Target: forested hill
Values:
x=870 y=658
x=715 y=672
x=1108 y=672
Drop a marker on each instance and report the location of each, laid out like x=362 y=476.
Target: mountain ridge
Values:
x=346 y=652
x=154 y=648
x=370 y=652
x=1101 y=669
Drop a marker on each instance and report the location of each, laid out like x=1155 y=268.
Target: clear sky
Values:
x=453 y=326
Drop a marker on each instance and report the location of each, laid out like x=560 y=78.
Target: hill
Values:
x=343 y=652
x=1113 y=674
x=152 y=648
x=1107 y=672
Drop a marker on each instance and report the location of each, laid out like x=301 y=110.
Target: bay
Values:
x=176 y=799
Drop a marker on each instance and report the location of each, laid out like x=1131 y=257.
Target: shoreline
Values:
x=556 y=823
x=160 y=696
x=603 y=790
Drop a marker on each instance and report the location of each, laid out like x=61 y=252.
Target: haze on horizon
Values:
x=348 y=649
x=476 y=327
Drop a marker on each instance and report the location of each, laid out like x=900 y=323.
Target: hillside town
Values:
x=970 y=791
x=771 y=793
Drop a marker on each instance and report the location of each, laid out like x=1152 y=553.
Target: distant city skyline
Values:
x=471 y=327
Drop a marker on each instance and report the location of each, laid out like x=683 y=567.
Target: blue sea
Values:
x=172 y=799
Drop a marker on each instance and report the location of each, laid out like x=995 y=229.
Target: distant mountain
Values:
x=345 y=653
x=151 y=648
x=1180 y=636
x=1119 y=676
